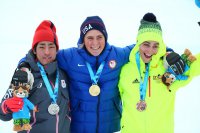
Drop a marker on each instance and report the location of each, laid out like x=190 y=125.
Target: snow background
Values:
x=178 y=19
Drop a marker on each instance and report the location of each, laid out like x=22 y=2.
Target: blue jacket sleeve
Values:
x=169 y=49
x=21 y=61
x=63 y=58
x=127 y=51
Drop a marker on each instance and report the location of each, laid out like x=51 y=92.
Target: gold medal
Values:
x=94 y=90
x=141 y=106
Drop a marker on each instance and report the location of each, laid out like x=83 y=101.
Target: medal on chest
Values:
x=94 y=90
x=53 y=109
x=142 y=105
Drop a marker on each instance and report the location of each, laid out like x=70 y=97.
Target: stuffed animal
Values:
x=176 y=66
x=22 y=117
x=188 y=57
x=167 y=79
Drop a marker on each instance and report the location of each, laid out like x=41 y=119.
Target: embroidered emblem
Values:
x=63 y=84
x=80 y=65
x=40 y=85
x=136 y=81
x=86 y=28
x=112 y=64
x=155 y=77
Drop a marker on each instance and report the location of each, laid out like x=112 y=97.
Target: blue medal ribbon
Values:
x=95 y=78
x=143 y=84
x=52 y=94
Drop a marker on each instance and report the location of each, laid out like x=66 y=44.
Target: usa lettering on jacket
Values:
x=86 y=28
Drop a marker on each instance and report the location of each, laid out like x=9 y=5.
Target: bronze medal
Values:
x=94 y=90
x=141 y=106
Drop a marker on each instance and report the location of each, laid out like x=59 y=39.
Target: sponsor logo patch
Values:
x=136 y=81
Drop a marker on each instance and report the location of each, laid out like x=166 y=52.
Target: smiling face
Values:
x=45 y=52
x=94 y=42
x=147 y=50
x=20 y=91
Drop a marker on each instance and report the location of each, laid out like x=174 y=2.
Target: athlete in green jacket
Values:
x=148 y=106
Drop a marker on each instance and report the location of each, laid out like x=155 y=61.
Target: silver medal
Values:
x=53 y=109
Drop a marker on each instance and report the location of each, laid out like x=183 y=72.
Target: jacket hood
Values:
x=49 y=68
x=148 y=37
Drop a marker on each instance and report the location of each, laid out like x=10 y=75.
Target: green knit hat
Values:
x=149 y=30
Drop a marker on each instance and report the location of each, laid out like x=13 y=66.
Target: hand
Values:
x=36 y=109
x=176 y=63
x=19 y=77
x=12 y=104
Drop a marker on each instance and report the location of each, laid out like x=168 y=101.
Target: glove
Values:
x=19 y=77
x=22 y=76
x=175 y=62
x=13 y=104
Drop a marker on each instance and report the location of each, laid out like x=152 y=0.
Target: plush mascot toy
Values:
x=176 y=66
x=22 y=117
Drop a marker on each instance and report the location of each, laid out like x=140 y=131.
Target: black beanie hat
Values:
x=175 y=61
x=90 y=23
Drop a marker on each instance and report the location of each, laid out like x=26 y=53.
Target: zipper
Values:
x=97 y=129
x=149 y=79
x=57 y=122
x=34 y=120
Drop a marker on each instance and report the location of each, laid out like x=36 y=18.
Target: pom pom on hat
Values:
x=149 y=29
x=91 y=23
x=150 y=17
x=46 y=31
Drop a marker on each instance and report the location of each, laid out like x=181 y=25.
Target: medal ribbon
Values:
x=95 y=77
x=52 y=94
x=143 y=84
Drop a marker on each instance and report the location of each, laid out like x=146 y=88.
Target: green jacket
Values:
x=159 y=114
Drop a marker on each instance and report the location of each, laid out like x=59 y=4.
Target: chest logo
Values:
x=136 y=81
x=80 y=65
x=63 y=84
x=40 y=85
x=112 y=64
